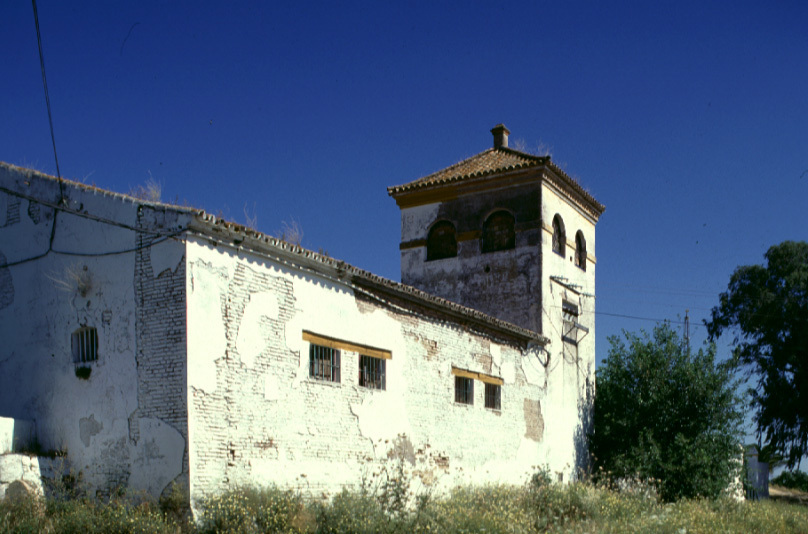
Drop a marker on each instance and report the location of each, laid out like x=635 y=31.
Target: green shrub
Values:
x=23 y=516
x=665 y=413
x=792 y=479
x=557 y=504
x=356 y=512
x=252 y=510
x=495 y=508
x=93 y=517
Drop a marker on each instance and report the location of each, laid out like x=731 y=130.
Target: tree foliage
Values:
x=665 y=413
x=767 y=308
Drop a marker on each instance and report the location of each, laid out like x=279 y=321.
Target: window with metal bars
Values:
x=464 y=390
x=441 y=242
x=493 y=396
x=372 y=372
x=569 y=316
x=580 y=250
x=559 y=236
x=84 y=343
x=498 y=232
x=324 y=363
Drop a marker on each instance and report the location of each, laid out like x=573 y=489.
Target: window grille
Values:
x=559 y=236
x=441 y=241
x=372 y=372
x=324 y=363
x=464 y=390
x=580 y=250
x=84 y=343
x=569 y=331
x=498 y=232
x=493 y=394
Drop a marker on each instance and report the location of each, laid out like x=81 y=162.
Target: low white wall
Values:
x=15 y=435
x=29 y=469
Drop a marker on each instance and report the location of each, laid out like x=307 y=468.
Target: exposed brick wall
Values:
x=161 y=335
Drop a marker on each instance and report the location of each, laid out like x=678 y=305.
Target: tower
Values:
x=504 y=232
x=512 y=235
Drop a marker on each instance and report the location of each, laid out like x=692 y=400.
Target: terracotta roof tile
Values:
x=492 y=161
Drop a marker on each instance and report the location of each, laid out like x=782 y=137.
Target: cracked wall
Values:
x=46 y=296
x=504 y=284
x=256 y=417
x=527 y=286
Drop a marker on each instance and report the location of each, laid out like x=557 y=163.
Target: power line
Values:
x=57 y=207
x=47 y=99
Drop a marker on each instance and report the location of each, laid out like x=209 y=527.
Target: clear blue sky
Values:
x=688 y=120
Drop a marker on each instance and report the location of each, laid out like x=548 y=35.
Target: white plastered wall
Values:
x=48 y=298
x=256 y=417
x=568 y=379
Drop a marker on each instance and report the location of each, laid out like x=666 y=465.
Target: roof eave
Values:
x=244 y=238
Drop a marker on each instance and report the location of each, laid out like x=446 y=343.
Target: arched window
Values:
x=580 y=250
x=441 y=242
x=559 y=236
x=498 y=232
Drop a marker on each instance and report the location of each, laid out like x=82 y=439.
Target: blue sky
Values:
x=688 y=120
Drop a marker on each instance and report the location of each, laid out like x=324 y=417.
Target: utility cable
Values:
x=47 y=100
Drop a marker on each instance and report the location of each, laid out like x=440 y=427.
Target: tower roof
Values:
x=496 y=160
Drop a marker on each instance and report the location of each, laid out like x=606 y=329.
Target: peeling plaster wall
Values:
x=255 y=416
x=505 y=284
x=515 y=285
x=571 y=381
x=50 y=294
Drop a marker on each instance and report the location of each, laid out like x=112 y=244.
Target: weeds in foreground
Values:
x=539 y=506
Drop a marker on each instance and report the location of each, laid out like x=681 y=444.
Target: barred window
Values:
x=464 y=390
x=493 y=396
x=580 y=250
x=324 y=363
x=498 y=232
x=441 y=242
x=84 y=343
x=372 y=372
x=559 y=236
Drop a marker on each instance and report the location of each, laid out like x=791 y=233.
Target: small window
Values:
x=84 y=342
x=559 y=236
x=493 y=395
x=324 y=363
x=580 y=250
x=441 y=242
x=569 y=332
x=464 y=390
x=372 y=372
x=498 y=232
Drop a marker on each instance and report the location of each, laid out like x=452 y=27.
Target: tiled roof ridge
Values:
x=430 y=179
x=213 y=224
x=363 y=277
x=445 y=176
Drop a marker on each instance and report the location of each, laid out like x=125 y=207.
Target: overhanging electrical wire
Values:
x=47 y=99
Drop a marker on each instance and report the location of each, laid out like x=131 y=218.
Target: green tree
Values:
x=664 y=412
x=767 y=308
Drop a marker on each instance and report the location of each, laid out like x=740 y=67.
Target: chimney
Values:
x=500 y=136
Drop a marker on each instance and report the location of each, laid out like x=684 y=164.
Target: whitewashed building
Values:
x=156 y=343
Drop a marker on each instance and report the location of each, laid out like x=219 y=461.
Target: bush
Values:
x=665 y=414
x=251 y=510
x=792 y=479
